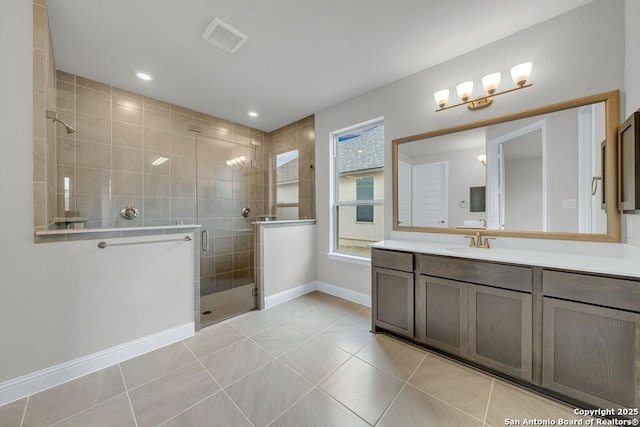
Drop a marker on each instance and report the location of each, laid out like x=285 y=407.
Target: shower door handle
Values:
x=204 y=241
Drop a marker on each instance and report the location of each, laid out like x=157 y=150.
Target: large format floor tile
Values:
x=317 y=409
x=281 y=338
x=415 y=408
x=168 y=396
x=268 y=392
x=362 y=388
x=234 y=362
x=11 y=414
x=512 y=402
x=315 y=359
x=60 y=402
x=213 y=338
x=154 y=364
x=309 y=362
x=462 y=387
x=216 y=411
x=392 y=356
x=115 y=412
x=347 y=336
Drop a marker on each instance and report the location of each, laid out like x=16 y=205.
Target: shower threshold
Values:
x=226 y=304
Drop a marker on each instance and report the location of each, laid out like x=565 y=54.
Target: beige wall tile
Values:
x=157 y=119
x=39 y=204
x=93 y=155
x=126 y=114
x=156 y=140
x=66 y=151
x=183 y=145
x=39 y=77
x=182 y=207
x=95 y=206
x=65 y=95
x=181 y=110
x=182 y=187
x=180 y=123
x=127 y=183
x=157 y=208
x=157 y=185
x=39 y=26
x=65 y=77
x=92 y=181
x=127 y=159
x=149 y=167
x=39 y=159
x=94 y=129
x=182 y=166
x=93 y=102
x=39 y=115
x=126 y=98
x=91 y=84
x=152 y=102
x=126 y=135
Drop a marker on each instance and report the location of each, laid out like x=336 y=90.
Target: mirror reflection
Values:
x=535 y=174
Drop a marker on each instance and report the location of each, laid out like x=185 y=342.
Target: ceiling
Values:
x=301 y=56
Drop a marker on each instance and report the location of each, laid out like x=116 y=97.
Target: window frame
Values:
x=335 y=205
x=373 y=211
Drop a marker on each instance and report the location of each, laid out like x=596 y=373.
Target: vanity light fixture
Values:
x=482 y=158
x=519 y=74
x=237 y=161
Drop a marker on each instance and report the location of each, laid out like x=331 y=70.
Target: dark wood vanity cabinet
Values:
x=392 y=280
x=573 y=334
x=591 y=344
x=477 y=310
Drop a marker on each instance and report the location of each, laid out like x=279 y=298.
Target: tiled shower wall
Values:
x=300 y=136
x=44 y=141
x=108 y=161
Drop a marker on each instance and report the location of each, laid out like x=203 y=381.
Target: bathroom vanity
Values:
x=566 y=324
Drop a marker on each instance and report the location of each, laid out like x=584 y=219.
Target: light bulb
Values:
x=490 y=82
x=521 y=72
x=464 y=90
x=441 y=97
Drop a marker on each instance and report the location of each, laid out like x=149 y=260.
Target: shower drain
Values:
x=204 y=313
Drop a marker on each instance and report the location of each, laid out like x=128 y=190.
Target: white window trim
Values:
x=333 y=254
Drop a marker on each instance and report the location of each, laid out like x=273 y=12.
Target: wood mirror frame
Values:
x=612 y=120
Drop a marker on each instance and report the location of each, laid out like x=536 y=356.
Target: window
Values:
x=358 y=188
x=287 y=185
x=364 y=191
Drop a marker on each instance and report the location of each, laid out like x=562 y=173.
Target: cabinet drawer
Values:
x=482 y=273
x=390 y=259
x=605 y=291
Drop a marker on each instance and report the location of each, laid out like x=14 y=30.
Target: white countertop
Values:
x=605 y=258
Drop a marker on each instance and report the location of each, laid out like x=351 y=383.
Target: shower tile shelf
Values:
x=50 y=236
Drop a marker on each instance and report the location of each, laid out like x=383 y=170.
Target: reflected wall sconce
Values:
x=482 y=158
x=519 y=74
x=237 y=161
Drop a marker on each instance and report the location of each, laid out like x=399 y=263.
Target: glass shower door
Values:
x=227 y=176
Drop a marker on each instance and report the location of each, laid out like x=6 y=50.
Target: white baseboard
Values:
x=289 y=294
x=343 y=293
x=50 y=377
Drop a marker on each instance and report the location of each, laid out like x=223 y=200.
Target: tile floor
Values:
x=308 y=362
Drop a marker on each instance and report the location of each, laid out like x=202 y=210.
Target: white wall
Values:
x=61 y=301
x=576 y=54
x=631 y=96
x=523 y=194
x=289 y=257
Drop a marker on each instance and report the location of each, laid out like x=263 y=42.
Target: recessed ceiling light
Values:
x=144 y=76
x=253 y=114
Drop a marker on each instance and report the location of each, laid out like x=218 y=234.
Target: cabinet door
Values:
x=392 y=305
x=442 y=314
x=500 y=330
x=591 y=353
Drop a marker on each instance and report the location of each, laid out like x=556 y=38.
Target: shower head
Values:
x=53 y=115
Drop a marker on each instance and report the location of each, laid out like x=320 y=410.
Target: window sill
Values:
x=353 y=259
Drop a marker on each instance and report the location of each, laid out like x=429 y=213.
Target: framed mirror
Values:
x=541 y=172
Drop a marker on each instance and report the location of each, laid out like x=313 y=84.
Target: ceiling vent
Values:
x=224 y=36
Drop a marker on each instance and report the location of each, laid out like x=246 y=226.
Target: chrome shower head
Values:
x=53 y=115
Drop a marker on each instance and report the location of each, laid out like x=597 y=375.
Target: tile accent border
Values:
x=50 y=377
